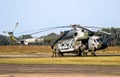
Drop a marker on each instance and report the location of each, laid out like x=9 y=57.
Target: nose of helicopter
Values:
x=104 y=45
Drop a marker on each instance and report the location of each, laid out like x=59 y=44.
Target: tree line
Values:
x=113 y=39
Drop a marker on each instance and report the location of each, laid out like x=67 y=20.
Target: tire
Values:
x=84 y=53
x=93 y=54
x=61 y=54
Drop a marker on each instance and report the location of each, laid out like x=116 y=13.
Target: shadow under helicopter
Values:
x=98 y=55
x=49 y=55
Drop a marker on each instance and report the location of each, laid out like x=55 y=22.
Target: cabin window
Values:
x=62 y=44
x=95 y=41
x=82 y=30
x=75 y=34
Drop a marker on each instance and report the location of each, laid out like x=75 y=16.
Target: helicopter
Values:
x=78 y=40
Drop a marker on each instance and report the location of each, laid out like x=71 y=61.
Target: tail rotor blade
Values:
x=15 y=27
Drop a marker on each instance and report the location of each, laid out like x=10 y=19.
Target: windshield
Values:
x=99 y=40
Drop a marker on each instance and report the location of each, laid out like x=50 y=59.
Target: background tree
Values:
x=114 y=39
x=25 y=36
x=4 y=40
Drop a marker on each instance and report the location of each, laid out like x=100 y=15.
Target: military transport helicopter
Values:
x=78 y=40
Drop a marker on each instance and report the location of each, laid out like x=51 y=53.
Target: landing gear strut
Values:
x=57 y=53
x=93 y=52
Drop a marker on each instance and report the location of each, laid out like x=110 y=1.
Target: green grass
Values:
x=111 y=60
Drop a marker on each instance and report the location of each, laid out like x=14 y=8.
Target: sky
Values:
x=37 y=14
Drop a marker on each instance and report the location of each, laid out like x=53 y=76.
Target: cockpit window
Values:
x=99 y=40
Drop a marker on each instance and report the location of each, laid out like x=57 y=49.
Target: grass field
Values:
x=110 y=50
x=111 y=60
x=45 y=49
x=99 y=60
x=25 y=49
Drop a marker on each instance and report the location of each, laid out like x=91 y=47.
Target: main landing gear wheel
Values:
x=84 y=53
x=57 y=53
x=93 y=54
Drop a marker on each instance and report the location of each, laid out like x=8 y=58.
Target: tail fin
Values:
x=12 y=38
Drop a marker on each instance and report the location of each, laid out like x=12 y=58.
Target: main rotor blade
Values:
x=70 y=26
x=85 y=28
x=105 y=32
x=91 y=27
x=51 y=28
x=100 y=30
x=47 y=29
